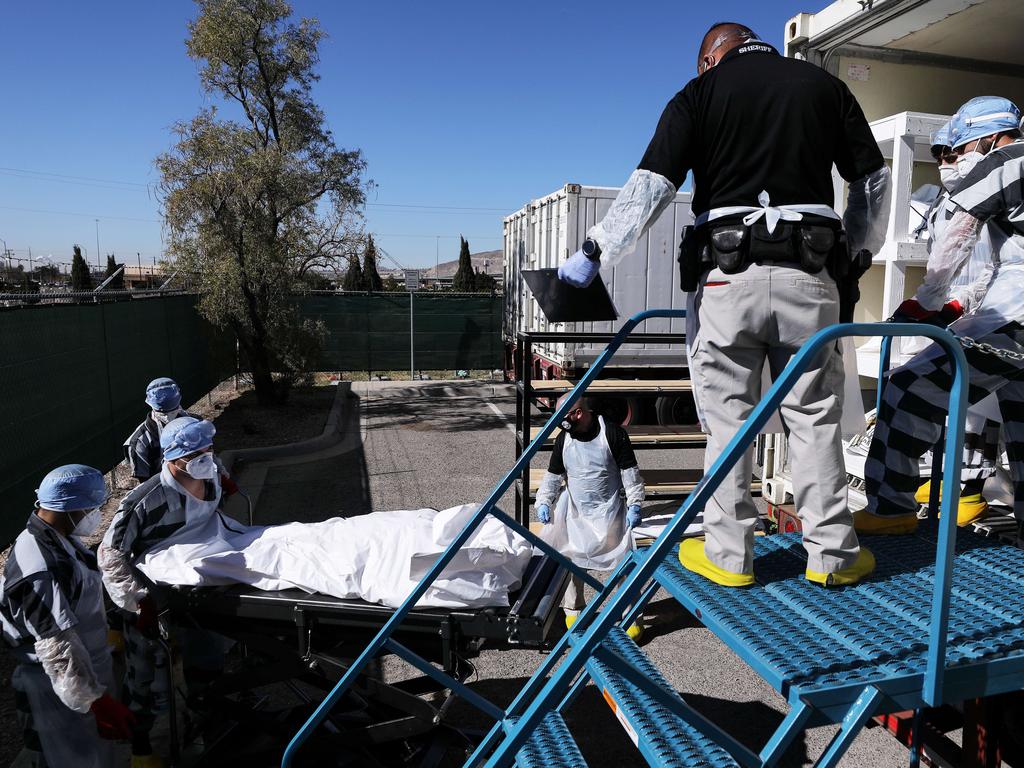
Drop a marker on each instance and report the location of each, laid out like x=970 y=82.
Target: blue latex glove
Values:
x=579 y=271
x=544 y=513
x=633 y=515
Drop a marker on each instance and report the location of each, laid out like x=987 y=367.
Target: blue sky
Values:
x=458 y=106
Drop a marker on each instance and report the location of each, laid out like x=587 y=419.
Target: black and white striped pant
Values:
x=981 y=450
x=914 y=409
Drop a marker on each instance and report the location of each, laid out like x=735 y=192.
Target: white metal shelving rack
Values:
x=905 y=140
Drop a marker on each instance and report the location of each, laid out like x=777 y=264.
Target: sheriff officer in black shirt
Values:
x=761 y=134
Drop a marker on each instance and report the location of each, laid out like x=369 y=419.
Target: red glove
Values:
x=228 y=486
x=148 y=619
x=951 y=311
x=911 y=311
x=113 y=719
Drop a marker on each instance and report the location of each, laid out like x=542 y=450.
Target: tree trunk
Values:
x=267 y=390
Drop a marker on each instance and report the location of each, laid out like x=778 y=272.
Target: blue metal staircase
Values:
x=928 y=627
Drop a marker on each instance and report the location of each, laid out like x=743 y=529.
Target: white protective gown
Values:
x=588 y=523
x=69 y=737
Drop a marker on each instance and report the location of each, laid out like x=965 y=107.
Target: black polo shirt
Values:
x=759 y=121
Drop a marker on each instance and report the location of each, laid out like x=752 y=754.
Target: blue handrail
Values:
x=547 y=698
x=487 y=508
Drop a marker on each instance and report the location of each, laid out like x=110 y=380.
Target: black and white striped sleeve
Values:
x=995 y=187
x=41 y=604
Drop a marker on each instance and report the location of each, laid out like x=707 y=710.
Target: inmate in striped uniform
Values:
x=142 y=448
x=916 y=396
x=40 y=595
x=148 y=515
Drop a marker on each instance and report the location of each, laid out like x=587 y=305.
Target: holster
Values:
x=847 y=273
x=693 y=259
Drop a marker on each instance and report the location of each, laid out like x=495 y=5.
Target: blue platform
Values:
x=823 y=646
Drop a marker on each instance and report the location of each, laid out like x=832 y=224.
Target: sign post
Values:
x=412 y=284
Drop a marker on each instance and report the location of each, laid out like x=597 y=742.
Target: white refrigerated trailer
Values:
x=546 y=231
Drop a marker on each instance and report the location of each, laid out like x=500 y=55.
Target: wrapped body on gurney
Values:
x=175 y=536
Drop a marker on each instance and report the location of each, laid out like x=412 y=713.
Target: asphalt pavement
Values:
x=438 y=444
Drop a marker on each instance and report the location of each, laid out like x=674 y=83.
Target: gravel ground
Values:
x=241 y=423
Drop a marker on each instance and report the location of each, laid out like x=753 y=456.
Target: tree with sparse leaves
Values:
x=81 y=280
x=258 y=196
x=371 y=277
x=117 y=284
x=390 y=285
x=465 y=279
x=353 y=275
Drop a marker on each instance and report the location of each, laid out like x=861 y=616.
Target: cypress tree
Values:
x=371 y=277
x=353 y=276
x=465 y=279
x=117 y=284
x=81 y=280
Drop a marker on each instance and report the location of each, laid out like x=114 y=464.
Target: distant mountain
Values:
x=485 y=261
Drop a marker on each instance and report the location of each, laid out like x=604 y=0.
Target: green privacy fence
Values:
x=73 y=379
x=371 y=332
x=73 y=376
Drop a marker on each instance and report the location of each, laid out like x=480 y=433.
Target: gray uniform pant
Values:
x=765 y=314
x=574 y=601
x=54 y=735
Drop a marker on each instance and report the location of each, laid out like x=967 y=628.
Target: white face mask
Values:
x=202 y=467
x=87 y=525
x=949 y=175
x=966 y=162
x=166 y=417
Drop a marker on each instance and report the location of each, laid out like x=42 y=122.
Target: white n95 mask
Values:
x=966 y=162
x=202 y=467
x=949 y=175
x=87 y=525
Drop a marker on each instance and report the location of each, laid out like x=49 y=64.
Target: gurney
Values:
x=293 y=645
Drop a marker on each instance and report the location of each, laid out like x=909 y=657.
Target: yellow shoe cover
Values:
x=864 y=565
x=635 y=631
x=923 y=494
x=971 y=508
x=147 y=761
x=691 y=555
x=865 y=522
x=570 y=619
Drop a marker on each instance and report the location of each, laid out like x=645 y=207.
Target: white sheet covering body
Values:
x=378 y=557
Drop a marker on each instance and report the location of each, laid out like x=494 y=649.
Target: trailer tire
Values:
x=621 y=410
x=673 y=410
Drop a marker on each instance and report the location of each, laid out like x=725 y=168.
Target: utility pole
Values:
x=139 y=257
x=98 y=265
x=437 y=254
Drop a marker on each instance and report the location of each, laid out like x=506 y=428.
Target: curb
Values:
x=330 y=436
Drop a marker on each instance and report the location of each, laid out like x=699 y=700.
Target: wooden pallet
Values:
x=617 y=386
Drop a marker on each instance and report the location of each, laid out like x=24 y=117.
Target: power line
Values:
x=69 y=178
x=73 y=213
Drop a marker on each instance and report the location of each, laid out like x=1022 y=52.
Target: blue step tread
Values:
x=550 y=746
x=661 y=736
x=799 y=635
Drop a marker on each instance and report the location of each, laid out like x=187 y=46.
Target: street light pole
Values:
x=98 y=265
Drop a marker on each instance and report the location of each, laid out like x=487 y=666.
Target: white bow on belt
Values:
x=772 y=214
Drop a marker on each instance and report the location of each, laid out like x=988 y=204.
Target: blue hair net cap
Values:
x=983 y=116
x=943 y=136
x=163 y=394
x=184 y=436
x=71 y=488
